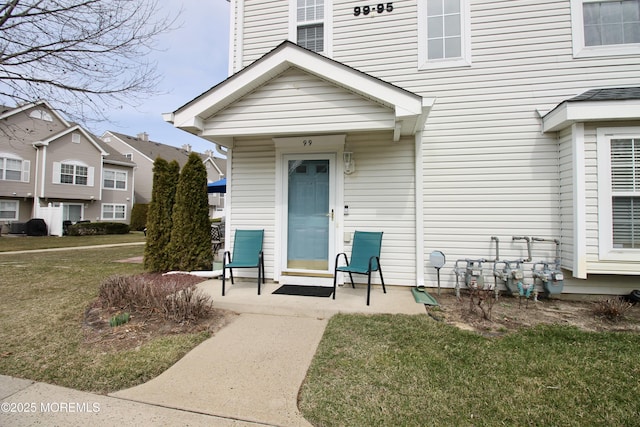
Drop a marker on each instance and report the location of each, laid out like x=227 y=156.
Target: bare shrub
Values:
x=187 y=305
x=612 y=309
x=172 y=296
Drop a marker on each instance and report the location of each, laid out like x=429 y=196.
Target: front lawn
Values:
x=43 y=298
x=22 y=243
x=398 y=370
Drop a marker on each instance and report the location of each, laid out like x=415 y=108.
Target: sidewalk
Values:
x=247 y=374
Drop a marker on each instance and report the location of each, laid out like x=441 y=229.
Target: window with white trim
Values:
x=310 y=25
x=14 y=169
x=72 y=173
x=41 y=115
x=443 y=33
x=605 y=27
x=9 y=210
x=114 y=180
x=619 y=192
x=114 y=211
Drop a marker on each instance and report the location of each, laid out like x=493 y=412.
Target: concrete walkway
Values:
x=249 y=373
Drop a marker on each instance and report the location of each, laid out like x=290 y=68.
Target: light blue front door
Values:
x=308 y=214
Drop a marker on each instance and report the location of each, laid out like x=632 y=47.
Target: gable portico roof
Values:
x=410 y=110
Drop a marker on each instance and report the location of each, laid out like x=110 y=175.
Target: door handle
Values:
x=330 y=214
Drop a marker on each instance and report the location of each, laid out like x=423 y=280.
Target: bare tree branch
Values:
x=83 y=56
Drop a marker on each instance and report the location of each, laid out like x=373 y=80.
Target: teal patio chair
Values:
x=365 y=259
x=247 y=253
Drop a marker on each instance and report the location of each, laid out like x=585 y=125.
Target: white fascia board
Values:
x=405 y=104
x=583 y=111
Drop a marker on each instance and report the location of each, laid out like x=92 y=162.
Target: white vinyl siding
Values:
x=568 y=199
x=266 y=24
x=488 y=168
x=381 y=197
x=296 y=102
x=252 y=194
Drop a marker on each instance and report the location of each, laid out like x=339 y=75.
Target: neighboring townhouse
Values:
x=450 y=125
x=144 y=152
x=47 y=161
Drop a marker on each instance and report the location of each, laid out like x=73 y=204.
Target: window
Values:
x=605 y=27
x=113 y=211
x=13 y=169
x=619 y=192
x=625 y=188
x=310 y=26
x=73 y=173
x=9 y=210
x=41 y=115
x=116 y=180
x=443 y=33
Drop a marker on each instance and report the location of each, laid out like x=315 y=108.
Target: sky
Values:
x=191 y=60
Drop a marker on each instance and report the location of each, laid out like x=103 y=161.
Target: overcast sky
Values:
x=193 y=59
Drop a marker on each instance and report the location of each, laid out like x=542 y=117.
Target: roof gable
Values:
x=75 y=128
x=12 y=111
x=409 y=110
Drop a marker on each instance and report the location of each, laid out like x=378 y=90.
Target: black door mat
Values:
x=306 y=291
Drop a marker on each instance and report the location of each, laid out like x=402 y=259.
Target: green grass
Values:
x=400 y=370
x=43 y=297
x=22 y=243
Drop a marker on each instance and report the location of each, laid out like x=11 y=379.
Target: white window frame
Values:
x=577 y=29
x=607 y=252
x=327 y=25
x=41 y=115
x=115 y=179
x=25 y=168
x=57 y=173
x=17 y=210
x=424 y=63
x=113 y=207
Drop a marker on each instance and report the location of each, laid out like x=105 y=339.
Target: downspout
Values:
x=40 y=146
x=427 y=105
x=419 y=199
x=36 y=199
x=44 y=170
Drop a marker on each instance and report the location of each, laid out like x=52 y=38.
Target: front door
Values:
x=309 y=214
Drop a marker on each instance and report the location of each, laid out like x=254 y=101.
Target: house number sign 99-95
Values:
x=366 y=10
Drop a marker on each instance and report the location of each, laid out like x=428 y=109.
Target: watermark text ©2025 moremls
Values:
x=49 y=407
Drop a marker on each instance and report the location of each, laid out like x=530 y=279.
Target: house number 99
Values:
x=365 y=10
x=307 y=142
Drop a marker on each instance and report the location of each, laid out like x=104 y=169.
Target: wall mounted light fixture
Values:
x=349 y=163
